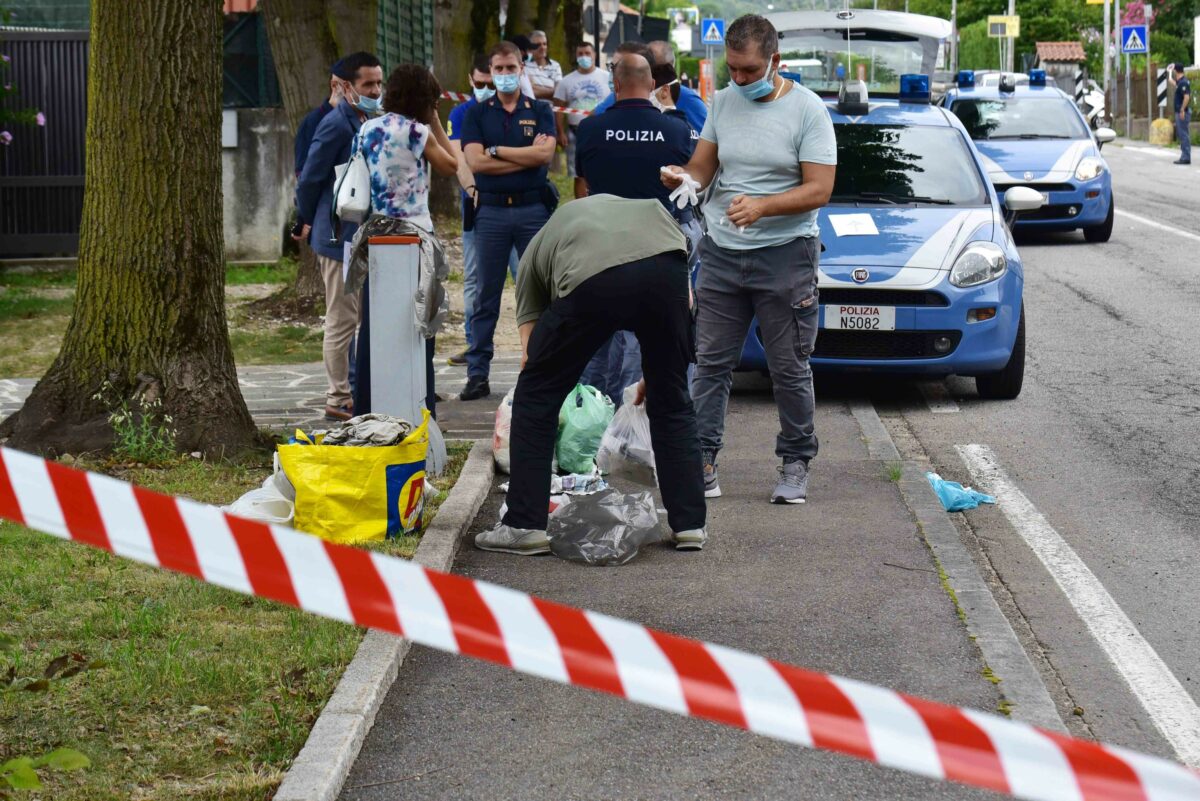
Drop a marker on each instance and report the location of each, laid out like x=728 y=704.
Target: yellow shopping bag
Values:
x=348 y=494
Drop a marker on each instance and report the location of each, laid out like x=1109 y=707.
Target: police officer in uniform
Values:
x=621 y=153
x=508 y=142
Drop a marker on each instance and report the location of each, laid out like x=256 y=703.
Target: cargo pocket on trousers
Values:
x=806 y=313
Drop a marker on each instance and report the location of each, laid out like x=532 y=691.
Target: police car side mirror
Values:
x=1105 y=135
x=1019 y=199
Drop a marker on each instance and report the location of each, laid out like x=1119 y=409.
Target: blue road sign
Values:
x=1134 y=39
x=712 y=31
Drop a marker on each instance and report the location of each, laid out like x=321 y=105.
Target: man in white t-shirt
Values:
x=544 y=72
x=773 y=143
x=583 y=89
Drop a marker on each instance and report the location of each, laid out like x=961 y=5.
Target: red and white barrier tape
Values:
x=462 y=97
x=578 y=647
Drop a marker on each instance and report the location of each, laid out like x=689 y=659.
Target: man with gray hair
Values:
x=544 y=72
x=774 y=145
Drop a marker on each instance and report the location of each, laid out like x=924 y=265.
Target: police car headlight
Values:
x=979 y=263
x=1089 y=167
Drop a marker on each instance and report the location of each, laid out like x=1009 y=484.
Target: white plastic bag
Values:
x=274 y=502
x=502 y=433
x=626 y=450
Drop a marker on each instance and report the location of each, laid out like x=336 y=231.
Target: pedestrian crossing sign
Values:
x=1134 y=39
x=712 y=31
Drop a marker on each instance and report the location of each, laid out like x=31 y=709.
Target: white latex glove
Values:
x=688 y=191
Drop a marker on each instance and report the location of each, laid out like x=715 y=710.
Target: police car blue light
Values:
x=965 y=79
x=919 y=273
x=1033 y=135
x=914 y=89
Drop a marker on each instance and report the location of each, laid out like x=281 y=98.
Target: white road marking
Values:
x=1155 y=224
x=937 y=397
x=1171 y=708
x=1151 y=151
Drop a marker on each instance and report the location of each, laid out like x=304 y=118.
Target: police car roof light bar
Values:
x=914 y=89
x=965 y=79
x=1037 y=77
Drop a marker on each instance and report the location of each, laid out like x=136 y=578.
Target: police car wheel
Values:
x=1006 y=384
x=1103 y=231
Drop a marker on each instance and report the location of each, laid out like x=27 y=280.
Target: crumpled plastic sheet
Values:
x=607 y=528
x=954 y=496
x=369 y=430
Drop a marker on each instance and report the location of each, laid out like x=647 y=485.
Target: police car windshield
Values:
x=1020 y=118
x=890 y=164
x=825 y=57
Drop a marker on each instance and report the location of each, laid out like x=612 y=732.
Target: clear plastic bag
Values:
x=626 y=451
x=502 y=433
x=582 y=421
x=607 y=528
x=274 y=502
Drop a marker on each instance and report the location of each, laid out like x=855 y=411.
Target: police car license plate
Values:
x=860 y=318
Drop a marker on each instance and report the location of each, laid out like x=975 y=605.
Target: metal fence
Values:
x=41 y=172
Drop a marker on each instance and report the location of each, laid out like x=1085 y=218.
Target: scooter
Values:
x=1093 y=107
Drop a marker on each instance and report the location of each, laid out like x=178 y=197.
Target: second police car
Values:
x=919 y=273
x=1032 y=134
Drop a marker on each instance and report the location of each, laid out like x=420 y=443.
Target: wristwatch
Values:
x=491 y=151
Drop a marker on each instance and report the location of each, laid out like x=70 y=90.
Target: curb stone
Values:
x=321 y=767
x=1021 y=684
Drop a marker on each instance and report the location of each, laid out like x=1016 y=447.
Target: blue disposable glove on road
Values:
x=954 y=496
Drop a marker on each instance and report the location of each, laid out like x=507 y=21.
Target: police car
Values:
x=1032 y=134
x=919 y=273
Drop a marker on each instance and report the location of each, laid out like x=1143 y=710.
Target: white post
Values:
x=1107 y=41
x=397 y=347
x=1012 y=44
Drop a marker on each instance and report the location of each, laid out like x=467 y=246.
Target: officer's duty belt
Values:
x=510 y=199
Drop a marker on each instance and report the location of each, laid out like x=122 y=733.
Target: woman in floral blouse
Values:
x=403 y=144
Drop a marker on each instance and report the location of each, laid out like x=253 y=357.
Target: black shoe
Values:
x=476 y=388
x=458 y=359
x=1181 y=161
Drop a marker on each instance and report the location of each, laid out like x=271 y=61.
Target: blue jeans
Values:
x=498 y=229
x=1183 y=132
x=615 y=366
x=471 y=277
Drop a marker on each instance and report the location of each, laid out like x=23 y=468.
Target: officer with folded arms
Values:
x=508 y=142
x=602 y=264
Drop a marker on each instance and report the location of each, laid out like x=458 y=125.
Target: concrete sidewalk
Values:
x=843 y=584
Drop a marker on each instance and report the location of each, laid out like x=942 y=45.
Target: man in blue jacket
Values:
x=308 y=125
x=689 y=102
x=361 y=92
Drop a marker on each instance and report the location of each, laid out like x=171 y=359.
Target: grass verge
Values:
x=194 y=692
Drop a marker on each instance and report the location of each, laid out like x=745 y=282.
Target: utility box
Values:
x=397 y=347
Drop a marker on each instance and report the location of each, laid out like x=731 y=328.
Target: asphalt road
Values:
x=1105 y=443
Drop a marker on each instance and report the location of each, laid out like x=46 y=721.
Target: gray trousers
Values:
x=779 y=286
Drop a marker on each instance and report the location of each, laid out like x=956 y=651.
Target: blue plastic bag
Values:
x=954 y=496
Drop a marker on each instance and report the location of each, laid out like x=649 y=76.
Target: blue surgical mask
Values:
x=369 y=105
x=485 y=94
x=760 y=88
x=507 y=84
x=585 y=62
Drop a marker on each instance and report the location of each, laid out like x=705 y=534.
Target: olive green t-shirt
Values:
x=583 y=239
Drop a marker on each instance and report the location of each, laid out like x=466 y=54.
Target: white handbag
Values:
x=352 y=190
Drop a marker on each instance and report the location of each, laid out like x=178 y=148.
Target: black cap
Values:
x=1177 y=67
x=663 y=75
x=337 y=69
x=522 y=41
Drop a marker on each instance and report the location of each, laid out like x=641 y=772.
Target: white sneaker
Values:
x=690 y=540
x=506 y=539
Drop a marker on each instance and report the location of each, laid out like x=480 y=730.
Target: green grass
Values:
x=17 y=305
x=205 y=694
x=38 y=279
x=282 y=272
x=283 y=344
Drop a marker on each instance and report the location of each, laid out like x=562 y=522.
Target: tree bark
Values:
x=149 y=313
x=306 y=37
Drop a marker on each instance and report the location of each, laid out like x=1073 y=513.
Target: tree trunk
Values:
x=149 y=313
x=306 y=37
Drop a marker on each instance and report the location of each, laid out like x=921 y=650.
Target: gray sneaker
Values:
x=793 y=483
x=711 y=488
x=690 y=540
x=506 y=539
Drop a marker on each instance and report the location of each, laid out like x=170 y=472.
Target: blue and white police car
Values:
x=919 y=273
x=1032 y=134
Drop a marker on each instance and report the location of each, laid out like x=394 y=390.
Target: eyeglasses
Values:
x=483 y=84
